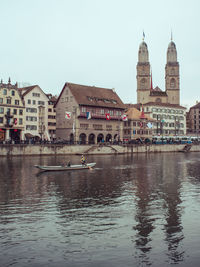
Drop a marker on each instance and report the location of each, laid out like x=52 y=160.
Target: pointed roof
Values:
x=25 y=90
x=93 y=96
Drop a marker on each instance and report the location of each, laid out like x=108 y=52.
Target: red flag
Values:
x=107 y=116
x=15 y=121
x=124 y=117
x=142 y=116
x=67 y=115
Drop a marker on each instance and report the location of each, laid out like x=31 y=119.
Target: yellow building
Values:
x=11 y=113
x=138 y=125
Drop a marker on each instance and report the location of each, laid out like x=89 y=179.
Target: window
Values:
x=32 y=110
x=21 y=112
x=16 y=102
x=29 y=101
x=5 y=92
x=40 y=102
x=102 y=111
x=20 y=121
x=1 y=110
x=83 y=109
x=1 y=120
x=34 y=102
x=36 y=94
x=31 y=127
x=12 y=93
x=8 y=100
x=1 y=100
x=14 y=111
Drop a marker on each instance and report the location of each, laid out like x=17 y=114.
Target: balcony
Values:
x=100 y=116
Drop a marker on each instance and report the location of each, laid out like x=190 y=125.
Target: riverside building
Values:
x=88 y=114
x=194 y=120
x=36 y=112
x=11 y=113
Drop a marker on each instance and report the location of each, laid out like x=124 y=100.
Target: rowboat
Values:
x=66 y=168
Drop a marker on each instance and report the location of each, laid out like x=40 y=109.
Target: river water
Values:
x=139 y=210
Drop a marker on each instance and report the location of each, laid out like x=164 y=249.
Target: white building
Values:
x=36 y=112
x=170 y=118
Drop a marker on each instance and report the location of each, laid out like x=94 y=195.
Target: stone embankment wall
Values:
x=48 y=149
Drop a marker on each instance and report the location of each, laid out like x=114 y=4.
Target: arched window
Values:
x=172 y=83
x=91 y=139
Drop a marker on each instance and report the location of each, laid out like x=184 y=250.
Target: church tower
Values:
x=143 y=74
x=172 y=85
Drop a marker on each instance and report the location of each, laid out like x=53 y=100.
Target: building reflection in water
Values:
x=158 y=189
x=94 y=199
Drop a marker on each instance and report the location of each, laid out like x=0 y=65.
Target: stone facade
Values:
x=88 y=114
x=145 y=91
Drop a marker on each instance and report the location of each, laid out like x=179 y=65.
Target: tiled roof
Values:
x=26 y=90
x=163 y=105
x=196 y=106
x=94 y=96
x=157 y=92
x=135 y=114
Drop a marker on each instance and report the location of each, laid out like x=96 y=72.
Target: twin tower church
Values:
x=145 y=91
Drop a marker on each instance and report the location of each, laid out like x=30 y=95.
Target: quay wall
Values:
x=55 y=149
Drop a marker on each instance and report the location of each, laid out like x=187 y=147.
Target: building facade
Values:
x=170 y=119
x=11 y=113
x=88 y=114
x=137 y=126
x=194 y=120
x=36 y=112
x=51 y=117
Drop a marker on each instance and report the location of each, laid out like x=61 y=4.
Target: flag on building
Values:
x=107 y=116
x=15 y=121
x=88 y=114
x=67 y=115
x=124 y=117
x=149 y=124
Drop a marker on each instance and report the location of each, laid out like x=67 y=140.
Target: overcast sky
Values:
x=96 y=42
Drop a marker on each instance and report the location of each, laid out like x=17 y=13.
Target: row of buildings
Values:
x=89 y=114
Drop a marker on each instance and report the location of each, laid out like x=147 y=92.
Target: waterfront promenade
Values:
x=63 y=149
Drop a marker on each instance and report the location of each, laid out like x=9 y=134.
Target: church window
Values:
x=172 y=83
